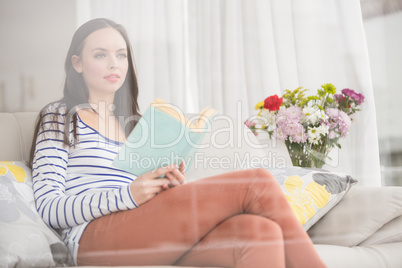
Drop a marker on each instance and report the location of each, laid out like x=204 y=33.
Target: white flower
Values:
x=323 y=115
x=313 y=114
x=323 y=129
x=313 y=135
x=269 y=116
x=308 y=111
x=310 y=115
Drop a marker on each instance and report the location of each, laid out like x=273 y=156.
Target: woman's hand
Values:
x=148 y=185
x=176 y=177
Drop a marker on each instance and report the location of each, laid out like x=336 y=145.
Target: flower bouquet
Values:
x=310 y=126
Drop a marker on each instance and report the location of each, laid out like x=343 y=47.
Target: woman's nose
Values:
x=113 y=64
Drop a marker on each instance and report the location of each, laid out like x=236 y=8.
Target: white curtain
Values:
x=231 y=54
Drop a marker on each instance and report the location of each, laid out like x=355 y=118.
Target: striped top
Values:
x=76 y=184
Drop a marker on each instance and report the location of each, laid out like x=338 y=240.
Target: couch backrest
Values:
x=229 y=146
x=232 y=146
x=16 y=135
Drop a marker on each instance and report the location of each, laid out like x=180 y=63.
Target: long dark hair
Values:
x=76 y=92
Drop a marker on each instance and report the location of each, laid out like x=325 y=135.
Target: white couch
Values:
x=363 y=230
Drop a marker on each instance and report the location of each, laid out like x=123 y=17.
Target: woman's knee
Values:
x=263 y=180
x=267 y=229
x=262 y=173
x=248 y=227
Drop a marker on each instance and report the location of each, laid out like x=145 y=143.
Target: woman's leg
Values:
x=241 y=241
x=164 y=229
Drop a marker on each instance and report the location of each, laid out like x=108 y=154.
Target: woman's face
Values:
x=103 y=62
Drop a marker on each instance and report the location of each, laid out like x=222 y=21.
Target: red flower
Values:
x=273 y=103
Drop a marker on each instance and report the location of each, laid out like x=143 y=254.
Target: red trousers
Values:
x=237 y=219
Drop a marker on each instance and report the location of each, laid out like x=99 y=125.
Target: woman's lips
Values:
x=112 y=77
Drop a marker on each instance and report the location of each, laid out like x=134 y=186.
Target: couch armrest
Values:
x=362 y=212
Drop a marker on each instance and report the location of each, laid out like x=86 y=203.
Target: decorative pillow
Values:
x=25 y=239
x=20 y=174
x=312 y=192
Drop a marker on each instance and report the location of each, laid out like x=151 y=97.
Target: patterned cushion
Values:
x=312 y=192
x=25 y=239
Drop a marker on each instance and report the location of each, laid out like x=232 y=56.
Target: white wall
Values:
x=384 y=40
x=35 y=36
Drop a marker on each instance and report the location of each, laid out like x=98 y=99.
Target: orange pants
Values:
x=237 y=219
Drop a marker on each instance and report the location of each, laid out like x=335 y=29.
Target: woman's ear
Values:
x=76 y=62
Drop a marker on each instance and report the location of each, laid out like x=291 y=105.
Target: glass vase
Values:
x=307 y=155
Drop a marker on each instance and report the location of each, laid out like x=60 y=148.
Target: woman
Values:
x=109 y=217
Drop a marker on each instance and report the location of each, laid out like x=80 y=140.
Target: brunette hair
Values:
x=76 y=92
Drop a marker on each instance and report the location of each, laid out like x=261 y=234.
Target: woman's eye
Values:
x=122 y=55
x=99 y=56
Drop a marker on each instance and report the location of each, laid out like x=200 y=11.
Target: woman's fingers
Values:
x=158 y=173
x=145 y=189
x=148 y=185
x=181 y=167
x=158 y=182
x=175 y=175
x=161 y=171
x=179 y=176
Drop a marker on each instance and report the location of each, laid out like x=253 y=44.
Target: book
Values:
x=163 y=136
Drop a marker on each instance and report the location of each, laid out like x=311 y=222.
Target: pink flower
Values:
x=294 y=112
x=291 y=127
x=339 y=97
x=279 y=134
x=291 y=113
x=251 y=126
x=300 y=136
x=338 y=119
x=249 y=123
x=289 y=120
x=357 y=97
x=331 y=135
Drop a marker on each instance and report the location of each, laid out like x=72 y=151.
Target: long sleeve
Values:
x=56 y=192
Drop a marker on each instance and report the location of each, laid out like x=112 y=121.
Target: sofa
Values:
x=361 y=228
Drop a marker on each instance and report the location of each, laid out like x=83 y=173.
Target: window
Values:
x=382 y=20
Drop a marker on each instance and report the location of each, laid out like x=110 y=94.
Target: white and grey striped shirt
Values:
x=76 y=184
